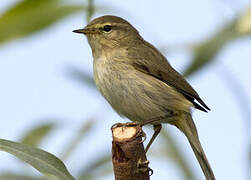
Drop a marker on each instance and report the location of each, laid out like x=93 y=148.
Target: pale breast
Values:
x=108 y=80
x=134 y=94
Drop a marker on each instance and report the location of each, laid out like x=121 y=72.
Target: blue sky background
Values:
x=35 y=85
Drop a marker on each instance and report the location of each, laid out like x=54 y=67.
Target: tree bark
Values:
x=128 y=154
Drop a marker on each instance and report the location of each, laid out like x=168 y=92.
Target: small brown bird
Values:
x=139 y=83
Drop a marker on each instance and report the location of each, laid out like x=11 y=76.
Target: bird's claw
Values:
x=143 y=167
x=143 y=136
x=117 y=125
x=128 y=124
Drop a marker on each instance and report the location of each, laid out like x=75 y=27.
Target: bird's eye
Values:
x=107 y=28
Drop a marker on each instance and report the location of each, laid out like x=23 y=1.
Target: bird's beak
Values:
x=85 y=31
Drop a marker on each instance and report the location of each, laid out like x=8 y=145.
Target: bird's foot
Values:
x=128 y=124
x=143 y=136
x=143 y=167
x=131 y=124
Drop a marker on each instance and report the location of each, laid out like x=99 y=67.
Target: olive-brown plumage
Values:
x=140 y=84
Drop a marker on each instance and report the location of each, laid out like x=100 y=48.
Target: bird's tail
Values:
x=187 y=126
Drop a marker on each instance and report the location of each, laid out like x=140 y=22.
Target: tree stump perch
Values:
x=128 y=154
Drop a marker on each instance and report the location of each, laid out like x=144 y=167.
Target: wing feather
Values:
x=149 y=60
x=174 y=79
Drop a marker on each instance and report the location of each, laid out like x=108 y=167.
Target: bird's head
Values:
x=109 y=32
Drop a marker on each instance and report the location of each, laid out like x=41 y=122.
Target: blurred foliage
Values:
x=205 y=52
x=43 y=161
x=12 y=176
x=243 y=102
x=244 y=23
x=173 y=151
x=90 y=10
x=27 y=17
x=96 y=168
x=36 y=134
x=80 y=76
x=87 y=126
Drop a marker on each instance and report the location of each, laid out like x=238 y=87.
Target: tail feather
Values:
x=187 y=126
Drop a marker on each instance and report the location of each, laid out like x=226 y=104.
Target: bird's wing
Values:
x=163 y=71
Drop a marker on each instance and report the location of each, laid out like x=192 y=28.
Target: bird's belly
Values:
x=134 y=94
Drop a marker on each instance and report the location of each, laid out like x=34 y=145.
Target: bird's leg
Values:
x=156 y=128
x=142 y=166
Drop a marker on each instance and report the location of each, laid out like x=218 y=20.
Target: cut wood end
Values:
x=124 y=133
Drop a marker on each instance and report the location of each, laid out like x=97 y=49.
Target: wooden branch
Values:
x=128 y=154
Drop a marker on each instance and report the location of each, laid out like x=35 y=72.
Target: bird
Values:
x=140 y=84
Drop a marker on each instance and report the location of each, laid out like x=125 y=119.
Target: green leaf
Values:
x=34 y=136
x=206 y=52
x=79 y=136
x=29 y=16
x=244 y=23
x=43 y=161
x=11 y=176
x=173 y=151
